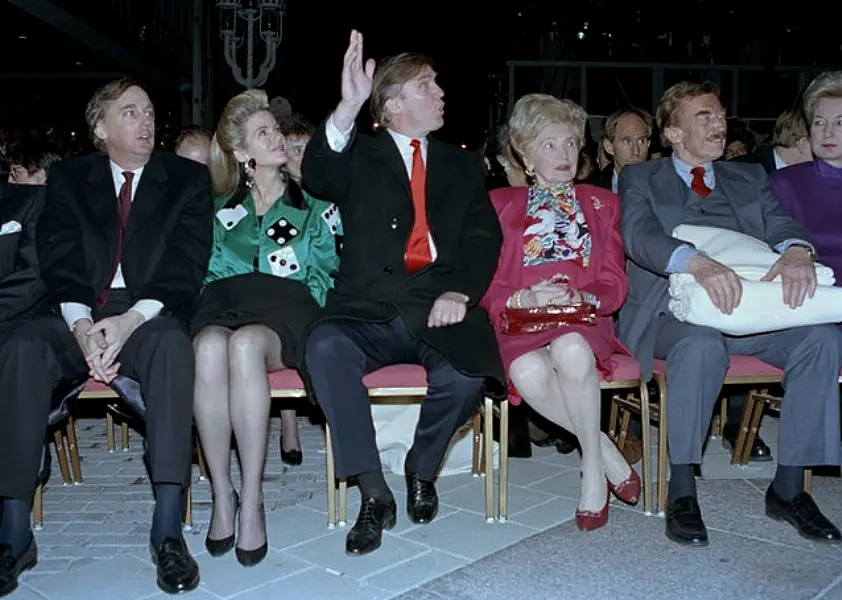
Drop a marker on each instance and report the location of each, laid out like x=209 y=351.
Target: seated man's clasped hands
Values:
x=420 y=247
x=562 y=247
x=692 y=188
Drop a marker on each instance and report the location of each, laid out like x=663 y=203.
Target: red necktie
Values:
x=418 y=253
x=698 y=184
x=124 y=204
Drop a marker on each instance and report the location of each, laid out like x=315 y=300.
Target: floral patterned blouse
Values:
x=555 y=227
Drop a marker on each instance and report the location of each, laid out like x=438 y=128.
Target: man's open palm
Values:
x=356 y=80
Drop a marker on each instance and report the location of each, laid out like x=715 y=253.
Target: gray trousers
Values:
x=696 y=362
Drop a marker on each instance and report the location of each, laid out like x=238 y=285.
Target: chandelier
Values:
x=238 y=21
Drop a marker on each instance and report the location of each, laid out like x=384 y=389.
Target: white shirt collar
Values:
x=779 y=163
x=403 y=141
x=117 y=172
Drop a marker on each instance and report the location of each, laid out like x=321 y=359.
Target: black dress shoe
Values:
x=250 y=558
x=220 y=547
x=11 y=567
x=684 y=522
x=803 y=514
x=760 y=452
x=177 y=571
x=291 y=457
x=562 y=446
x=422 y=502
x=367 y=533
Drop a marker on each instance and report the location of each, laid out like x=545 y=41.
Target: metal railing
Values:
x=750 y=91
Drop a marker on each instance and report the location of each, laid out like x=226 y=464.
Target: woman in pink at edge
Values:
x=562 y=245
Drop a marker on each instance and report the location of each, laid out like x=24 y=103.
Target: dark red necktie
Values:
x=418 y=253
x=698 y=184
x=124 y=204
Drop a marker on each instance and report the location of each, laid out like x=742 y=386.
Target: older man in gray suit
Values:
x=690 y=188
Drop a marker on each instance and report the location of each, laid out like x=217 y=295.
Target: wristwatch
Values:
x=810 y=252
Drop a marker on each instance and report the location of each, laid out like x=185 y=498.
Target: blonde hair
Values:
x=826 y=85
x=790 y=128
x=667 y=113
x=389 y=78
x=534 y=112
x=99 y=103
x=226 y=172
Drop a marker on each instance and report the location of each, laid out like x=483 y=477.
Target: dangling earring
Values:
x=248 y=170
x=530 y=173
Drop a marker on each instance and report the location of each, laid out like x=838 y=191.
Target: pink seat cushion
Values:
x=285 y=379
x=96 y=386
x=626 y=368
x=741 y=366
x=393 y=376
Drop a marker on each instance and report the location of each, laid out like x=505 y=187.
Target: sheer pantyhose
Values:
x=561 y=383
x=232 y=395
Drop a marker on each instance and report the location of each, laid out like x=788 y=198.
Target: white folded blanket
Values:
x=762 y=308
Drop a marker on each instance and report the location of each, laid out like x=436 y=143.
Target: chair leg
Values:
x=624 y=430
x=124 y=436
x=331 y=481
x=742 y=434
x=73 y=448
x=475 y=450
x=488 y=457
x=188 y=517
x=663 y=442
x=109 y=431
x=808 y=481
x=753 y=426
x=343 y=502
x=503 y=457
x=646 y=431
x=613 y=418
x=61 y=456
x=203 y=467
x=38 y=509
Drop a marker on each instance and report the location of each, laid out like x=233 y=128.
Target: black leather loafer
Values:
x=11 y=567
x=684 y=522
x=367 y=533
x=803 y=514
x=177 y=570
x=760 y=452
x=422 y=501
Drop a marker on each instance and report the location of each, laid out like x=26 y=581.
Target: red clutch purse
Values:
x=518 y=321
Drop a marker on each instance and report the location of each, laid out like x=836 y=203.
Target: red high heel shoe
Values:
x=629 y=490
x=588 y=520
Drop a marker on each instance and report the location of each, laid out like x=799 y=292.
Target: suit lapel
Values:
x=102 y=201
x=437 y=171
x=591 y=207
x=387 y=152
x=743 y=202
x=149 y=194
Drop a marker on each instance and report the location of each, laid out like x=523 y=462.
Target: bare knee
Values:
x=572 y=356
x=530 y=374
x=211 y=350
x=249 y=343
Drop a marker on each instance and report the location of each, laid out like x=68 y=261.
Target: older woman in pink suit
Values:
x=561 y=245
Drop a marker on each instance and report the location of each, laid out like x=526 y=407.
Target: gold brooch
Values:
x=597 y=204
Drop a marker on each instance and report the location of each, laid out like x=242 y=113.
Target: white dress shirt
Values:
x=338 y=140
x=149 y=309
x=779 y=162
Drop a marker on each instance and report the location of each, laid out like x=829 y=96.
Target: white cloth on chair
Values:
x=761 y=309
x=395 y=424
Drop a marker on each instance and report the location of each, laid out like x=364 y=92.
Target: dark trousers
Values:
x=340 y=352
x=37 y=357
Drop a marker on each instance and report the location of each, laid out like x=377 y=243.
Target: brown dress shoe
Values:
x=632 y=449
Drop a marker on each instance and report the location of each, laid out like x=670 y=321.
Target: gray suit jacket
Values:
x=653 y=202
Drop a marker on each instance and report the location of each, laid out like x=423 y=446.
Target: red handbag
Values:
x=517 y=321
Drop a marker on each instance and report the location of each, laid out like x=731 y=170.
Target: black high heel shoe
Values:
x=217 y=548
x=251 y=558
x=290 y=457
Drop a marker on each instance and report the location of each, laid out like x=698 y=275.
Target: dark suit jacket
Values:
x=653 y=197
x=166 y=245
x=765 y=156
x=369 y=183
x=603 y=178
x=22 y=291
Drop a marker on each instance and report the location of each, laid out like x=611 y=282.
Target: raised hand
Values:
x=356 y=82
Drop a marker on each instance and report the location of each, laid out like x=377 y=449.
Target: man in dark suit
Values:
x=690 y=188
x=22 y=299
x=123 y=245
x=421 y=247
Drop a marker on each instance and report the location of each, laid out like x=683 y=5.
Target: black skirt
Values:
x=283 y=305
